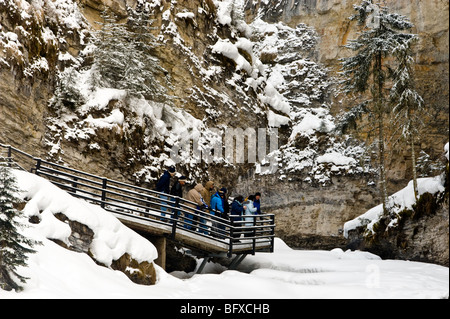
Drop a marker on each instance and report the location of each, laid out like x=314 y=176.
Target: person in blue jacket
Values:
x=217 y=209
x=217 y=201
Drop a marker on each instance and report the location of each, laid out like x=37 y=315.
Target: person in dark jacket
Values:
x=163 y=186
x=237 y=208
x=257 y=203
x=177 y=190
x=226 y=207
x=236 y=214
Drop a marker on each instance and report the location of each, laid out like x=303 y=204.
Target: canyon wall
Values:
x=330 y=18
x=311 y=199
x=322 y=210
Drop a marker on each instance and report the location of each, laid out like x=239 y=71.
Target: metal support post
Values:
x=204 y=262
x=103 y=193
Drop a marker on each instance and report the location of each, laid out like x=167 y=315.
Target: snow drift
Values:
x=111 y=238
x=56 y=272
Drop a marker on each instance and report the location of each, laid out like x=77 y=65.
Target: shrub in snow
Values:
x=67 y=93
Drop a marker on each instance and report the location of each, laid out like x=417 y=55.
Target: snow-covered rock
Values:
x=403 y=199
x=67 y=220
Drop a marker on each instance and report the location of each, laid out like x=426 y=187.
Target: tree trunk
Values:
x=380 y=112
x=6 y=282
x=414 y=169
x=381 y=154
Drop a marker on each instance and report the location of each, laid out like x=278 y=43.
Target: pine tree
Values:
x=140 y=23
x=111 y=49
x=123 y=57
x=14 y=247
x=408 y=104
x=140 y=28
x=368 y=69
x=66 y=92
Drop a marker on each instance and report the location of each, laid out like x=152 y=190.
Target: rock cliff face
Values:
x=229 y=64
x=312 y=217
x=27 y=79
x=430 y=18
x=330 y=19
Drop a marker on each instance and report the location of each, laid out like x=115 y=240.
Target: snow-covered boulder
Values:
x=412 y=229
x=86 y=228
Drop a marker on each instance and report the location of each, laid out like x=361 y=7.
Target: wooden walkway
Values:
x=153 y=213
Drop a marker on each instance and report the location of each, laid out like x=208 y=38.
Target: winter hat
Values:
x=223 y=190
x=182 y=179
x=172 y=170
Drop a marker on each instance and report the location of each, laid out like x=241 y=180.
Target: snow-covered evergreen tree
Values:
x=14 y=247
x=367 y=71
x=408 y=104
x=426 y=166
x=67 y=93
x=123 y=57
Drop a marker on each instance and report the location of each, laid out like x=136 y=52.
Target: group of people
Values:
x=206 y=199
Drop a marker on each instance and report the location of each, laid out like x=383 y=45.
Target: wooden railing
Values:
x=150 y=206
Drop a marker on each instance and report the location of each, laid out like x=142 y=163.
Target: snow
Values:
x=11 y=36
x=336 y=159
x=224 y=11
x=275 y=99
x=446 y=151
x=67 y=12
x=115 y=118
x=403 y=199
x=230 y=50
x=185 y=15
x=56 y=272
x=276 y=120
x=111 y=240
x=39 y=65
x=99 y=99
x=311 y=123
